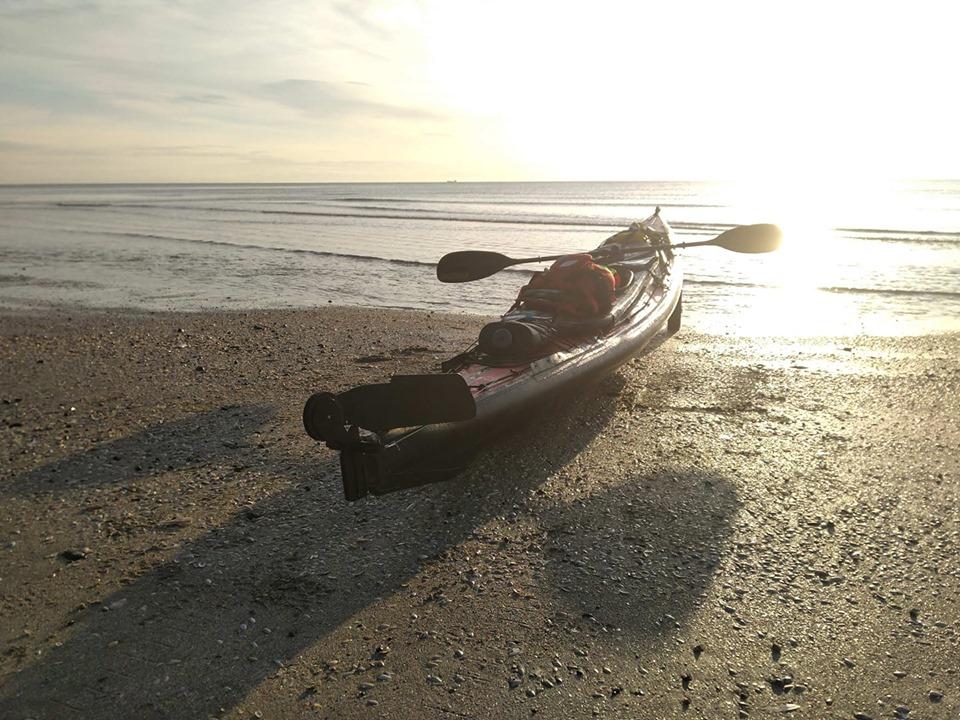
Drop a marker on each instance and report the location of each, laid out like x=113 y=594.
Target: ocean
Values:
x=882 y=260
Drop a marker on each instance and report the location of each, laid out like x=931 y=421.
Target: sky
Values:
x=360 y=90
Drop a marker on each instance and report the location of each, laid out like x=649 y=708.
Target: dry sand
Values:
x=726 y=528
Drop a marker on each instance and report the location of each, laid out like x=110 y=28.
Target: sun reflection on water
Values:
x=812 y=256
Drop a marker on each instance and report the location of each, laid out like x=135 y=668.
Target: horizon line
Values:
x=416 y=182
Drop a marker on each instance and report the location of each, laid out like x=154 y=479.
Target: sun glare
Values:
x=812 y=256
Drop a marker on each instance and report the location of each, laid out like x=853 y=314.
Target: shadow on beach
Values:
x=638 y=555
x=204 y=629
x=207 y=438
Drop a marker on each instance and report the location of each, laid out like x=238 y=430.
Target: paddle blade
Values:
x=408 y=400
x=467 y=265
x=760 y=238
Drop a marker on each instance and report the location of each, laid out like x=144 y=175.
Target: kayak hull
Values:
x=425 y=456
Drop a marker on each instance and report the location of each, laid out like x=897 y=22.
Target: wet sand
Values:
x=726 y=528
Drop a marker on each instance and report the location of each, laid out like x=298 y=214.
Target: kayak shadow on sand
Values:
x=206 y=627
x=639 y=554
x=196 y=440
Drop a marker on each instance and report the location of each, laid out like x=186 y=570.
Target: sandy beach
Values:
x=726 y=528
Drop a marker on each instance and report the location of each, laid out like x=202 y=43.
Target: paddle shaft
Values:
x=712 y=241
x=598 y=251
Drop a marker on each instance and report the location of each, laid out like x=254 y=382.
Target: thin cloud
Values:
x=14 y=146
x=184 y=150
x=17 y=147
x=323 y=99
x=202 y=99
x=357 y=13
x=48 y=8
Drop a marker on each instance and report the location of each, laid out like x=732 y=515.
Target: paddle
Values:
x=406 y=401
x=467 y=265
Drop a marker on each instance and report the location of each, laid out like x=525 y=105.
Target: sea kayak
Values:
x=421 y=429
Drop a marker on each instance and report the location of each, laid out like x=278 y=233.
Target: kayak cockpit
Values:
x=550 y=313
